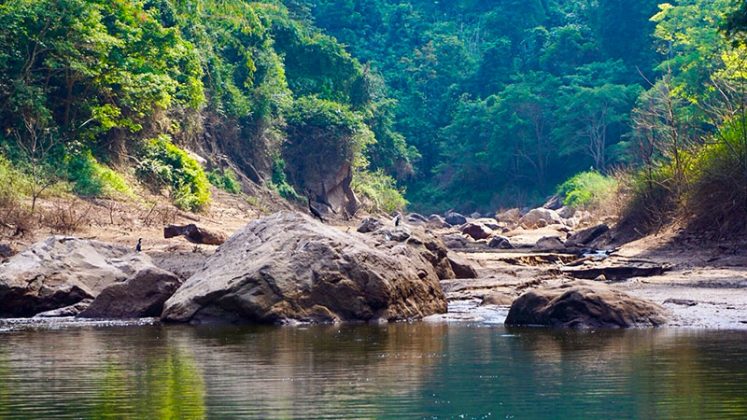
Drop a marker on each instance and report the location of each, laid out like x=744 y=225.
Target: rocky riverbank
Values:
x=288 y=268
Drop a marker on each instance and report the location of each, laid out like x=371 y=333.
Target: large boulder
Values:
x=62 y=271
x=550 y=243
x=581 y=304
x=288 y=267
x=539 y=217
x=476 y=230
x=140 y=296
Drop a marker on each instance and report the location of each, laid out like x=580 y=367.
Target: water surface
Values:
x=421 y=370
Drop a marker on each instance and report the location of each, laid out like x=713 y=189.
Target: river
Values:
x=421 y=370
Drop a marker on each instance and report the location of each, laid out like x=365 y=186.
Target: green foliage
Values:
x=717 y=198
x=13 y=184
x=92 y=179
x=280 y=181
x=166 y=165
x=497 y=97
x=587 y=189
x=381 y=189
x=225 y=179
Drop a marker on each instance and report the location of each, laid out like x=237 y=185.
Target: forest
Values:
x=472 y=105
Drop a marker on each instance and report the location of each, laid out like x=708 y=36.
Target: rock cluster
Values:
x=288 y=267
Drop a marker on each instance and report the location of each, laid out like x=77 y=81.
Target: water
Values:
x=413 y=371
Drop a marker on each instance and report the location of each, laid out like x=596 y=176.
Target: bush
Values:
x=226 y=180
x=280 y=181
x=717 y=198
x=166 y=165
x=587 y=189
x=92 y=179
x=381 y=189
x=652 y=200
x=13 y=184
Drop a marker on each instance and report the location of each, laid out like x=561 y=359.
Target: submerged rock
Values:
x=288 y=267
x=140 y=296
x=61 y=271
x=582 y=304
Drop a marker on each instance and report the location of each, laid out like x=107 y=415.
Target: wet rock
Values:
x=583 y=305
x=587 y=236
x=194 y=234
x=61 y=271
x=462 y=269
x=500 y=242
x=370 y=224
x=534 y=218
x=455 y=219
x=288 y=267
x=476 y=230
x=140 y=296
x=72 y=310
x=549 y=243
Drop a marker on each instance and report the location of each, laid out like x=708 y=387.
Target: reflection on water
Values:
x=407 y=371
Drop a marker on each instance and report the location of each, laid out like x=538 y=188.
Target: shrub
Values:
x=92 y=179
x=166 y=165
x=381 y=189
x=280 y=181
x=225 y=179
x=13 y=184
x=652 y=199
x=587 y=189
x=717 y=198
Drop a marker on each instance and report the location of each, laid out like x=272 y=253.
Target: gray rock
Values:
x=583 y=305
x=476 y=230
x=500 y=242
x=140 y=296
x=287 y=267
x=455 y=219
x=462 y=269
x=534 y=218
x=72 y=310
x=437 y=221
x=194 y=234
x=61 y=271
x=370 y=224
x=416 y=218
x=587 y=236
x=548 y=243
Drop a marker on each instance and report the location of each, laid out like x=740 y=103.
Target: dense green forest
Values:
x=468 y=104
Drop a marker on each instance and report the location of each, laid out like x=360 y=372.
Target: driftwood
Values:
x=194 y=234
